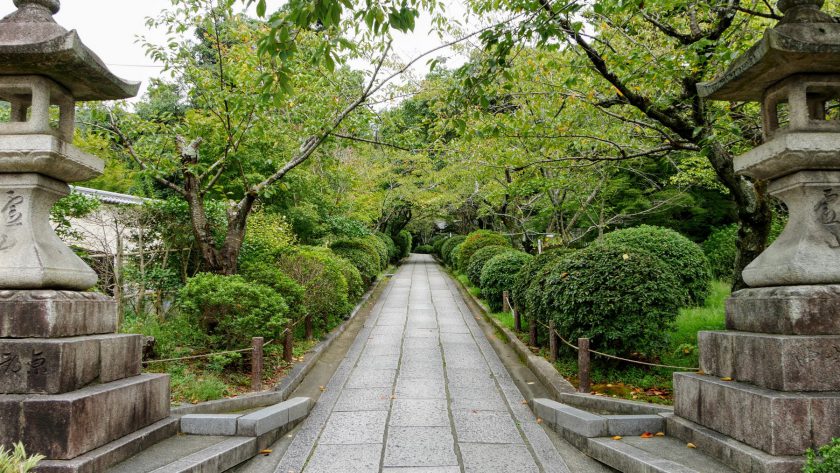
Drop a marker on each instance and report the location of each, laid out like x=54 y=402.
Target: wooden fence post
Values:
x=584 y=366
x=289 y=345
x=552 y=341
x=517 y=320
x=506 y=301
x=256 y=364
x=532 y=332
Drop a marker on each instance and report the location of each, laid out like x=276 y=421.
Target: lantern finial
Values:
x=804 y=11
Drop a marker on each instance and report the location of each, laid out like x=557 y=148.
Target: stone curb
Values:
x=562 y=417
x=288 y=384
x=255 y=424
x=541 y=368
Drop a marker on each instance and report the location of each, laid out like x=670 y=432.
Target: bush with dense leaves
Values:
x=437 y=242
x=364 y=256
x=449 y=245
x=529 y=273
x=232 y=310
x=685 y=258
x=476 y=241
x=479 y=259
x=393 y=251
x=267 y=273
x=622 y=298
x=825 y=460
x=403 y=241
x=455 y=255
x=499 y=273
x=319 y=272
x=424 y=249
x=381 y=248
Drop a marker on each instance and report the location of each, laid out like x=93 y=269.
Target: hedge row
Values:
x=622 y=291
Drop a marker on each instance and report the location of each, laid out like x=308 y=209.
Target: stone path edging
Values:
x=542 y=369
x=287 y=385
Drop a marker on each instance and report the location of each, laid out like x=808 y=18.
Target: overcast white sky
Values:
x=111 y=28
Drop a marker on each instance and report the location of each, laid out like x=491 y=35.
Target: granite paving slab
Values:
x=421 y=391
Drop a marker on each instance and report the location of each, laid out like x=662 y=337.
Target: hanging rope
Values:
x=208 y=355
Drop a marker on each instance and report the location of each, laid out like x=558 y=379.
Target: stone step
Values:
x=191 y=454
x=115 y=452
x=655 y=455
x=64 y=426
x=736 y=455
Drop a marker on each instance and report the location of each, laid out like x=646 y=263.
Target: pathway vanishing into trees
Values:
x=421 y=390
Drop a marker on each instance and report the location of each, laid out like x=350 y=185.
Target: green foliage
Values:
x=381 y=248
x=393 y=251
x=355 y=283
x=685 y=258
x=449 y=245
x=474 y=242
x=455 y=255
x=499 y=273
x=437 y=243
x=825 y=460
x=17 y=460
x=232 y=310
x=266 y=273
x=403 y=242
x=424 y=249
x=74 y=205
x=479 y=259
x=319 y=272
x=196 y=388
x=530 y=274
x=622 y=298
x=721 y=248
x=364 y=255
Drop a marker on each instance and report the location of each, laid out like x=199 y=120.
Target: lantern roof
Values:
x=32 y=43
x=806 y=41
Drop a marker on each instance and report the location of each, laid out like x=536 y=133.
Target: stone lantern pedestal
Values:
x=770 y=387
x=68 y=383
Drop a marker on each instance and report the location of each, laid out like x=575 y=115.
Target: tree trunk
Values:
x=309 y=328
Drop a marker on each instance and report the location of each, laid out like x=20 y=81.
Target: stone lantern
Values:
x=771 y=383
x=68 y=383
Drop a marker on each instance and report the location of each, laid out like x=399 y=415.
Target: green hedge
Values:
x=529 y=274
x=721 y=248
x=403 y=242
x=479 y=259
x=326 y=291
x=685 y=258
x=624 y=299
x=381 y=248
x=393 y=251
x=232 y=310
x=424 y=249
x=364 y=255
x=499 y=273
x=437 y=242
x=449 y=245
x=476 y=241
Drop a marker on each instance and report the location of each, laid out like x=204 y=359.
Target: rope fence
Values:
x=256 y=350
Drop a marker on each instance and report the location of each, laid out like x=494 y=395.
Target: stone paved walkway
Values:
x=421 y=391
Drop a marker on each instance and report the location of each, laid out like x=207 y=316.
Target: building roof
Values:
x=111 y=197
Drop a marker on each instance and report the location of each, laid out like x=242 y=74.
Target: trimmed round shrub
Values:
x=381 y=248
x=424 y=249
x=684 y=257
x=265 y=272
x=403 y=242
x=476 y=241
x=318 y=271
x=621 y=297
x=499 y=274
x=529 y=273
x=393 y=251
x=455 y=255
x=479 y=259
x=437 y=243
x=232 y=310
x=364 y=256
x=449 y=245
x=355 y=283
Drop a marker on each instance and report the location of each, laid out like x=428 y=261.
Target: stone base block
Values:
x=776 y=422
x=786 y=310
x=780 y=362
x=60 y=365
x=65 y=426
x=50 y=314
x=738 y=456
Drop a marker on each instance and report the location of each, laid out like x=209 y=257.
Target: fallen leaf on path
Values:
x=660 y=434
x=322 y=388
x=617 y=437
x=726 y=379
x=647 y=435
x=691 y=445
x=539 y=421
x=265 y=452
